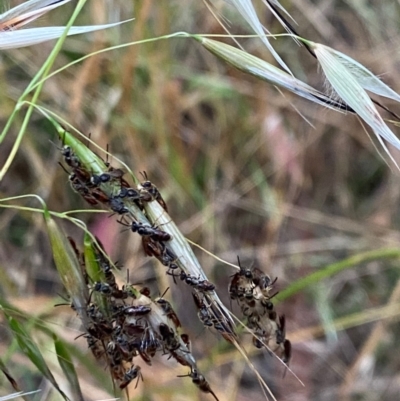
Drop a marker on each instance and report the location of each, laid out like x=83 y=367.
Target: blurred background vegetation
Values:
x=285 y=184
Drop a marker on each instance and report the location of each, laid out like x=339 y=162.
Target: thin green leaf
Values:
x=65 y=361
x=92 y=265
x=265 y=71
x=7 y=374
x=335 y=268
x=68 y=268
x=94 y=271
x=29 y=348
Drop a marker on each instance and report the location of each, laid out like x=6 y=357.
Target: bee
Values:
x=152 y=248
x=117 y=370
x=139 y=310
x=197 y=283
x=148 y=231
x=202 y=313
x=131 y=374
x=152 y=190
x=129 y=193
x=200 y=381
x=103 y=288
x=82 y=190
x=117 y=205
x=70 y=157
x=95 y=346
x=170 y=340
x=167 y=309
x=111 y=174
x=99 y=195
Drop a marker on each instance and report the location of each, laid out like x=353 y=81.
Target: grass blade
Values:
x=68 y=267
x=65 y=361
x=30 y=349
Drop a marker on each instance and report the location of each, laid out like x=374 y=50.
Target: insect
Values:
x=95 y=346
x=70 y=158
x=111 y=174
x=148 y=231
x=201 y=285
x=287 y=351
x=131 y=374
x=129 y=193
x=202 y=313
x=103 y=288
x=167 y=309
x=200 y=381
x=139 y=310
x=152 y=190
x=152 y=248
x=82 y=190
x=117 y=205
x=170 y=340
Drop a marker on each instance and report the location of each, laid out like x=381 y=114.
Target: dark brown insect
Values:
x=148 y=231
x=202 y=311
x=131 y=374
x=82 y=190
x=117 y=205
x=152 y=190
x=95 y=345
x=111 y=174
x=70 y=157
x=200 y=381
x=130 y=193
x=139 y=310
x=152 y=248
x=170 y=340
x=167 y=309
x=197 y=283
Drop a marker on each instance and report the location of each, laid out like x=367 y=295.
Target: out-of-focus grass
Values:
x=243 y=174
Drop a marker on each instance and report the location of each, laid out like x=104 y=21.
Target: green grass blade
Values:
x=30 y=349
x=65 y=361
x=68 y=268
x=336 y=268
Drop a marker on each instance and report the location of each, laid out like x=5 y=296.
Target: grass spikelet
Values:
x=247 y=11
x=267 y=72
x=349 y=79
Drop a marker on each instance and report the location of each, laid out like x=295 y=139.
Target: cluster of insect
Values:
x=252 y=289
x=125 y=322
